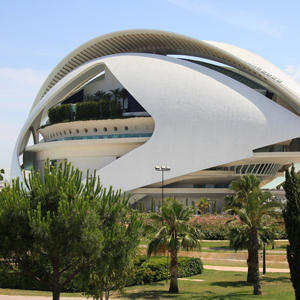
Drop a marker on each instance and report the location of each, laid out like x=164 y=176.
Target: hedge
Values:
x=155 y=269
x=216 y=227
x=60 y=113
x=144 y=271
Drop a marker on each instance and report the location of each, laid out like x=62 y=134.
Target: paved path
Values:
x=3 y=297
x=245 y=269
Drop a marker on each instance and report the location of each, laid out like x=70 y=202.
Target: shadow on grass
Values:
x=266 y=279
x=160 y=295
x=155 y=293
x=234 y=284
x=220 y=248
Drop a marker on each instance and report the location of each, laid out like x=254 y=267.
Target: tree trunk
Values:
x=56 y=286
x=255 y=262
x=297 y=294
x=251 y=266
x=174 y=265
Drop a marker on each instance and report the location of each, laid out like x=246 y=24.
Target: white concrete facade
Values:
x=204 y=124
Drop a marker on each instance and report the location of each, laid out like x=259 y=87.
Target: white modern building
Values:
x=208 y=110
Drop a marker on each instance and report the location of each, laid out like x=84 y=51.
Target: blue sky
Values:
x=36 y=35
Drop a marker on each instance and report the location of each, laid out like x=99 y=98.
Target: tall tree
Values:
x=1 y=172
x=121 y=241
x=291 y=215
x=88 y=97
x=203 y=204
x=252 y=206
x=54 y=230
x=123 y=96
x=116 y=93
x=101 y=95
x=172 y=231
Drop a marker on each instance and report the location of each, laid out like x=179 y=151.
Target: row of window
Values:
x=257 y=169
x=266 y=73
x=107 y=136
x=52 y=135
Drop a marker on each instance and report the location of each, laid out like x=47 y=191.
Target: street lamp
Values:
x=162 y=169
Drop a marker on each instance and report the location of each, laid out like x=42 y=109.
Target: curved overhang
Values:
x=229 y=121
x=232 y=107
x=164 y=43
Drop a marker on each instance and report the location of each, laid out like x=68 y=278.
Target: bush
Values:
x=12 y=278
x=87 y=110
x=104 y=109
x=155 y=268
x=213 y=226
x=144 y=271
x=65 y=112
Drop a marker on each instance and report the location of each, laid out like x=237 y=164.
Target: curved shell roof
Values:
x=162 y=42
x=230 y=102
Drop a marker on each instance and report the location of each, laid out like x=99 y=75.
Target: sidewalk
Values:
x=5 y=297
x=245 y=269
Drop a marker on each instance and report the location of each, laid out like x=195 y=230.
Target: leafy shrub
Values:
x=87 y=110
x=189 y=266
x=216 y=227
x=13 y=278
x=144 y=271
x=155 y=268
x=104 y=109
x=65 y=112
x=213 y=226
x=59 y=113
x=115 y=109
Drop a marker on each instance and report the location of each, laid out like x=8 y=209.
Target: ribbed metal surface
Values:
x=139 y=42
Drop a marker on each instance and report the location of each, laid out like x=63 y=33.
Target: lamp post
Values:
x=163 y=169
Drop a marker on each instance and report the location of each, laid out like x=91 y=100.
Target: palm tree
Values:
x=101 y=95
x=1 y=172
x=253 y=211
x=123 y=96
x=203 y=204
x=116 y=93
x=244 y=185
x=173 y=231
x=88 y=97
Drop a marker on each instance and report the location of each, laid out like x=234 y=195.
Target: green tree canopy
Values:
x=54 y=229
x=203 y=204
x=1 y=172
x=171 y=231
x=291 y=215
x=252 y=205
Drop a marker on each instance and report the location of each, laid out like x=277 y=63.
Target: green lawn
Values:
x=224 y=245
x=216 y=285
x=215 y=246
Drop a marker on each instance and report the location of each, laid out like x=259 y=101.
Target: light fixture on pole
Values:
x=162 y=169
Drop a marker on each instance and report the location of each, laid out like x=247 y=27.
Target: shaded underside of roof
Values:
x=238 y=75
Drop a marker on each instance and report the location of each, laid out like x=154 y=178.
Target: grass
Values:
x=217 y=285
x=216 y=246
x=27 y=293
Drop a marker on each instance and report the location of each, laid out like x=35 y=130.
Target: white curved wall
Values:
x=202 y=118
